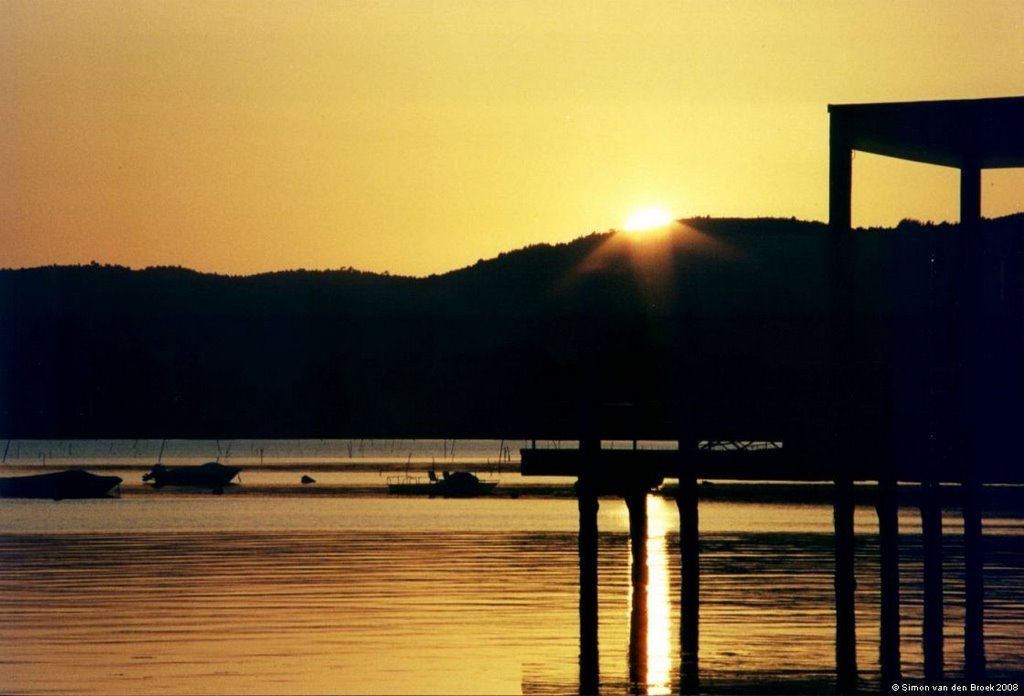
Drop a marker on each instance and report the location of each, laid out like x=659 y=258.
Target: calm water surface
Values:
x=265 y=594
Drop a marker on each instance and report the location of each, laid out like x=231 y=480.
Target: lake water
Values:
x=278 y=592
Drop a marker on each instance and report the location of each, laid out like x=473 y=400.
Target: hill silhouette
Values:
x=722 y=322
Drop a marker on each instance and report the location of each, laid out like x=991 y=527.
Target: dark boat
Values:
x=409 y=485
x=210 y=475
x=73 y=483
x=460 y=484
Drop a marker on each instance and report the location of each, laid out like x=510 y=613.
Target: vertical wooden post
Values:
x=889 y=569
x=974 y=582
x=588 y=507
x=840 y=175
x=845 y=586
x=841 y=303
x=689 y=556
x=587 y=492
x=970 y=196
x=636 y=503
x=932 y=624
x=971 y=488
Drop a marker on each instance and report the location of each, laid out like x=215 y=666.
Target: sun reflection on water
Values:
x=651 y=652
x=659 y=600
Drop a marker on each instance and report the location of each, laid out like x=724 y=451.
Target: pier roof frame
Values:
x=968 y=134
x=987 y=133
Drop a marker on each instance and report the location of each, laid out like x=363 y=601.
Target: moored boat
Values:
x=460 y=484
x=73 y=483
x=210 y=475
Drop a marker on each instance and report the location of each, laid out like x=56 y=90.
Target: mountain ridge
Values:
x=729 y=314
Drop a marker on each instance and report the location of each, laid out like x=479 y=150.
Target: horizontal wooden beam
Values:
x=783 y=464
x=738 y=465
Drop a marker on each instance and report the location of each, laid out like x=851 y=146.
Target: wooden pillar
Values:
x=932 y=625
x=845 y=586
x=974 y=582
x=970 y=196
x=841 y=296
x=840 y=175
x=971 y=488
x=588 y=507
x=689 y=556
x=889 y=568
x=636 y=503
x=587 y=492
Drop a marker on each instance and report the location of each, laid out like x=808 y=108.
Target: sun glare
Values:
x=647 y=219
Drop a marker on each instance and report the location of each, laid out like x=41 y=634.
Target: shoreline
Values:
x=996 y=497
x=1007 y=501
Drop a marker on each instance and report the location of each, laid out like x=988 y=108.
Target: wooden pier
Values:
x=966 y=358
x=632 y=474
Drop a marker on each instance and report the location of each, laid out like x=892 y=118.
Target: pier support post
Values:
x=932 y=624
x=588 y=507
x=970 y=196
x=840 y=302
x=973 y=381
x=840 y=174
x=689 y=552
x=845 y=586
x=887 y=507
x=974 y=582
x=636 y=503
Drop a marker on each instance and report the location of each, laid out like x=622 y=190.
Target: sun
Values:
x=646 y=219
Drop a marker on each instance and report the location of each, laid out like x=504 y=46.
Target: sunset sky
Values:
x=417 y=137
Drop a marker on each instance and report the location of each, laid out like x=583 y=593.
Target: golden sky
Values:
x=418 y=136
